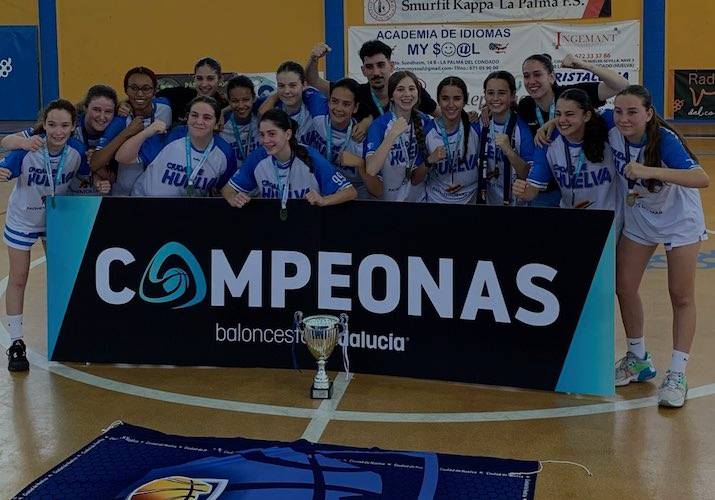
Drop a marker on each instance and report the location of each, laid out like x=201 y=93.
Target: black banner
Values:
x=694 y=94
x=466 y=293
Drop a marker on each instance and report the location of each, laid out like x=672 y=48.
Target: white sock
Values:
x=679 y=361
x=14 y=326
x=636 y=346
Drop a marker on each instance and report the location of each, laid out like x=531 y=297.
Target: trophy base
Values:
x=321 y=393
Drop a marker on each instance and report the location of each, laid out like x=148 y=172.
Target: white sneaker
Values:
x=673 y=390
x=631 y=368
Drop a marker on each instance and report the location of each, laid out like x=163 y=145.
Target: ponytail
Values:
x=651 y=156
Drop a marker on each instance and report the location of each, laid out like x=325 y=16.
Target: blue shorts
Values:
x=20 y=240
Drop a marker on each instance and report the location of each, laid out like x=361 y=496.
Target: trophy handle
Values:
x=344 y=322
x=298 y=318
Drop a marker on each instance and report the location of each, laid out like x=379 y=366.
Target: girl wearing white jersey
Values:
x=453 y=147
x=300 y=101
x=507 y=146
x=578 y=158
x=659 y=177
x=192 y=160
x=99 y=107
x=283 y=169
x=41 y=174
x=240 y=124
x=334 y=133
x=139 y=84
x=396 y=145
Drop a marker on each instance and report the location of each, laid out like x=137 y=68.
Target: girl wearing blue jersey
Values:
x=140 y=85
x=283 y=169
x=300 y=101
x=507 y=145
x=41 y=175
x=192 y=160
x=396 y=145
x=240 y=124
x=659 y=177
x=332 y=136
x=578 y=159
x=453 y=147
x=99 y=107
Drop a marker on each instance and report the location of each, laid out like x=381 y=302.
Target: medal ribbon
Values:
x=191 y=172
x=329 y=140
x=60 y=166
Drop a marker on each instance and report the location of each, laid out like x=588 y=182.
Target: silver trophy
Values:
x=321 y=334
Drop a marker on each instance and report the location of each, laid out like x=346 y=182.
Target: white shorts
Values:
x=679 y=242
x=20 y=240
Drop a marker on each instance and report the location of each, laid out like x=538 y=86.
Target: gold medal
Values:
x=631 y=199
x=284 y=214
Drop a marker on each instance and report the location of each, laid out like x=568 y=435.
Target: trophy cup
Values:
x=321 y=334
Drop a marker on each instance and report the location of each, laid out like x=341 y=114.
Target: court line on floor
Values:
x=327 y=411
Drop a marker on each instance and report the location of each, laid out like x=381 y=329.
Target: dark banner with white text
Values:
x=493 y=295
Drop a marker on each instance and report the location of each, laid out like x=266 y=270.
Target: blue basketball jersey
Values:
x=671 y=213
x=340 y=141
x=454 y=179
x=166 y=173
x=259 y=175
x=26 y=206
x=127 y=174
x=404 y=157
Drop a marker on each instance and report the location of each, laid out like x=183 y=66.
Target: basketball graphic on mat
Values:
x=174 y=488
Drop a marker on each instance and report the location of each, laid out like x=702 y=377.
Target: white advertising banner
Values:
x=434 y=52
x=480 y=11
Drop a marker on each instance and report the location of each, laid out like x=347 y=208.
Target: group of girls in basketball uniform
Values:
x=386 y=139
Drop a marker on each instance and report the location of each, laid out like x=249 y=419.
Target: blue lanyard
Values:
x=445 y=140
x=406 y=152
x=153 y=113
x=493 y=134
x=301 y=116
x=191 y=172
x=377 y=102
x=627 y=148
x=329 y=140
x=552 y=112
x=573 y=172
x=237 y=130
x=283 y=186
x=60 y=167
x=452 y=161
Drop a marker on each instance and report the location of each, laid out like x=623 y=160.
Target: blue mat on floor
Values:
x=129 y=462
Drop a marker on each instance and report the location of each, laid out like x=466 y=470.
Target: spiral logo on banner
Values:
x=5 y=67
x=166 y=276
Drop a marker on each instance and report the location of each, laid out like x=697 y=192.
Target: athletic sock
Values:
x=14 y=326
x=678 y=361
x=636 y=346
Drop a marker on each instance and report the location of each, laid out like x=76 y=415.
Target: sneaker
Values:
x=673 y=390
x=16 y=358
x=631 y=368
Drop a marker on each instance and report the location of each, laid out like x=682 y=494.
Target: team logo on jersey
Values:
x=381 y=10
x=171 y=276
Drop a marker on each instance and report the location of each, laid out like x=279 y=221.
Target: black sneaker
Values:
x=16 y=358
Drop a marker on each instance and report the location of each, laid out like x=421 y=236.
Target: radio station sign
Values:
x=694 y=94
